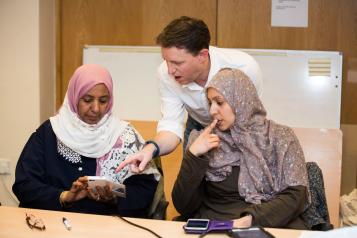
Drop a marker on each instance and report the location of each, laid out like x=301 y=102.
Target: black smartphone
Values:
x=252 y=232
x=196 y=226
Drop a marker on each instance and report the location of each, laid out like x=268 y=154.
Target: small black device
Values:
x=252 y=232
x=200 y=226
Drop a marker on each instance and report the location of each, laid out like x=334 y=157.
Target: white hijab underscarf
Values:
x=95 y=140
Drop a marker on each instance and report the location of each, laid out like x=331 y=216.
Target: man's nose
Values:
x=171 y=69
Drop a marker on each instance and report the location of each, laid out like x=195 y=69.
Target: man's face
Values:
x=182 y=65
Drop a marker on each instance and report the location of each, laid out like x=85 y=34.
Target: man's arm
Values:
x=167 y=142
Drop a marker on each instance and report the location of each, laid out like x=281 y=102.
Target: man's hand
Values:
x=205 y=141
x=139 y=160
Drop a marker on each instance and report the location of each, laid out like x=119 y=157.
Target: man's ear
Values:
x=203 y=55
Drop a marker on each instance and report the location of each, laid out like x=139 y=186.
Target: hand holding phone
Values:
x=94 y=181
x=117 y=188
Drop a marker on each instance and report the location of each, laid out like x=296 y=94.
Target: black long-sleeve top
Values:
x=193 y=196
x=42 y=174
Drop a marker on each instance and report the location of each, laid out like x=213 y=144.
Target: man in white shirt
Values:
x=189 y=64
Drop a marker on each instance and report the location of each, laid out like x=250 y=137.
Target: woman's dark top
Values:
x=194 y=197
x=42 y=174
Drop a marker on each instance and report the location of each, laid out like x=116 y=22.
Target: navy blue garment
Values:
x=42 y=174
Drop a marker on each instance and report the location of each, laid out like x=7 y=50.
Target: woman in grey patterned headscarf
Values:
x=268 y=157
x=265 y=166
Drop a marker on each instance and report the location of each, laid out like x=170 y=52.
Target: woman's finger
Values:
x=210 y=127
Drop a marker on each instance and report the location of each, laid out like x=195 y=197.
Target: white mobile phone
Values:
x=117 y=188
x=196 y=225
x=94 y=181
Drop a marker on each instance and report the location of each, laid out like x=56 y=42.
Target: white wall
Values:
x=47 y=59
x=21 y=59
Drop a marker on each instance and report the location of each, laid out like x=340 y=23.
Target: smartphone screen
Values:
x=254 y=232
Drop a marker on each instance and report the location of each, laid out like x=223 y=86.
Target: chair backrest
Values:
x=324 y=146
x=159 y=204
x=157 y=210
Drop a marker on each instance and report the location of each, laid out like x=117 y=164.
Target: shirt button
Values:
x=80 y=168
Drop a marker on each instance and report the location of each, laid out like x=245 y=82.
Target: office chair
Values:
x=159 y=204
x=316 y=216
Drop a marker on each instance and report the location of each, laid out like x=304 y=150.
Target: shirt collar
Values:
x=192 y=86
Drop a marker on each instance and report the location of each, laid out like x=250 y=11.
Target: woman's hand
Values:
x=101 y=194
x=77 y=192
x=205 y=141
x=243 y=222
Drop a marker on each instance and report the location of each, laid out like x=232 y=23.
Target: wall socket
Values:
x=4 y=166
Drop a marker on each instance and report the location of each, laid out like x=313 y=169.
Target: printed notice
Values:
x=289 y=13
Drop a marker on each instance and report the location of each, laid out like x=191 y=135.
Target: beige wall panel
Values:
x=119 y=22
x=349 y=161
x=324 y=146
x=332 y=26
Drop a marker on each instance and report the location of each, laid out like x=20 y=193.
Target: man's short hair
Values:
x=185 y=33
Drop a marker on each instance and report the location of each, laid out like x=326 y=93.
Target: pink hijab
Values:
x=84 y=79
x=269 y=155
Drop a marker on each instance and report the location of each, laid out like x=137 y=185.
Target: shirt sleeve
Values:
x=188 y=189
x=279 y=211
x=172 y=107
x=31 y=186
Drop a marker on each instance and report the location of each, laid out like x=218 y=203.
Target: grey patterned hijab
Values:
x=269 y=155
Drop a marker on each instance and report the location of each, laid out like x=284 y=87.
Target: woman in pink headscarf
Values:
x=84 y=139
x=242 y=166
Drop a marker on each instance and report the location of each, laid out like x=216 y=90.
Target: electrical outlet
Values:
x=4 y=166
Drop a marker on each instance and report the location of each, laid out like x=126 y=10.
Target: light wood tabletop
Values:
x=13 y=224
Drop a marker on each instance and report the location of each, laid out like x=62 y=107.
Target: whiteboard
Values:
x=291 y=95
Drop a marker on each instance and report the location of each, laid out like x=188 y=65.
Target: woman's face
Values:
x=220 y=110
x=93 y=105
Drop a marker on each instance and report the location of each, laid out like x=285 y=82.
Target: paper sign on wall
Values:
x=289 y=13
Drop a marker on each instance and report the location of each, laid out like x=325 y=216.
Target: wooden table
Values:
x=13 y=224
